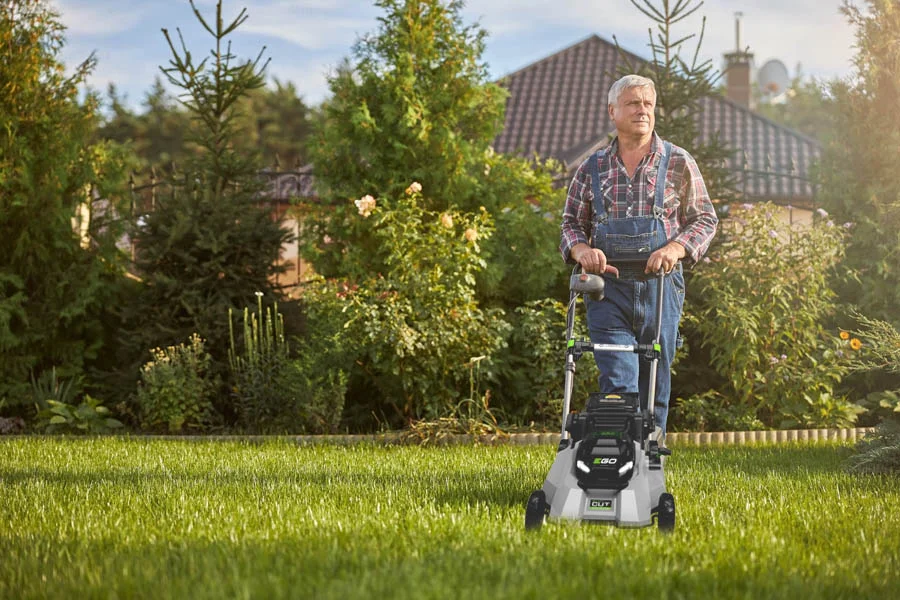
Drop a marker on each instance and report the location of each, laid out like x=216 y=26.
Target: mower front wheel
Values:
x=665 y=518
x=536 y=510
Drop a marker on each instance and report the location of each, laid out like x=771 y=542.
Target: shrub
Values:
x=530 y=376
x=418 y=324
x=89 y=417
x=880 y=452
x=325 y=357
x=175 y=389
x=711 y=411
x=761 y=306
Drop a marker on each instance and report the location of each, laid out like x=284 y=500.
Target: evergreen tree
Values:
x=212 y=243
x=57 y=256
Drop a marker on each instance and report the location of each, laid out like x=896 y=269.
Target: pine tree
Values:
x=212 y=243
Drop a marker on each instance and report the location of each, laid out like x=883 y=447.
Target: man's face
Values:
x=633 y=112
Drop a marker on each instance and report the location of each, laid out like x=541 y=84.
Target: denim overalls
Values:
x=627 y=314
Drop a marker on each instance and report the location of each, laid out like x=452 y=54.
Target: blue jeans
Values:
x=627 y=315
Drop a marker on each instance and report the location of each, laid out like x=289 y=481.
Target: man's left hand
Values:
x=665 y=258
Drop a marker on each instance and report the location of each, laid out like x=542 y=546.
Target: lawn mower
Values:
x=608 y=467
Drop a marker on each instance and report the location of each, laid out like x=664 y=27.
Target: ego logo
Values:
x=605 y=461
x=596 y=504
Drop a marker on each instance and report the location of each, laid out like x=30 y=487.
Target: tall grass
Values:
x=127 y=518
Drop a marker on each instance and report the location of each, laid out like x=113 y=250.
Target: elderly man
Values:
x=638 y=198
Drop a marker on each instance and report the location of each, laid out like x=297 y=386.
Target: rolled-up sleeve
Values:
x=697 y=217
x=576 y=218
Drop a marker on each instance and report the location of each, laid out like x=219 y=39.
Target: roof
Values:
x=557 y=107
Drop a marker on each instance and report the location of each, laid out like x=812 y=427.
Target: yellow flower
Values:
x=845 y=335
x=855 y=344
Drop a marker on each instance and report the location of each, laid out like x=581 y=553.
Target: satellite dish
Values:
x=772 y=79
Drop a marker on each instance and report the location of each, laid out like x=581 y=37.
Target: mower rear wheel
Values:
x=665 y=518
x=536 y=510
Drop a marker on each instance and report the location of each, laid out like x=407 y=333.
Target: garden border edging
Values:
x=539 y=439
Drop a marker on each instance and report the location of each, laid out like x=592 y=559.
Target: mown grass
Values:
x=154 y=519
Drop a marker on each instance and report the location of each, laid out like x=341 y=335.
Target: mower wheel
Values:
x=536 y=510
x=665 y=518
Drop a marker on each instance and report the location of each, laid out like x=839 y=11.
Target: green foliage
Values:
x=418 y=324
x=56 y=240
x=759 y=307
x=209 y=244
x=324 y=358
x=89 y=417
x=680 y=87
x=175 y=389
x=261 y=393
x=879 y=453
x=277 y=390
x=808 y=108
x=414 y=104
x=711 y=411
x=530 y=374
x=522 y=262
x=48 y=387
x=858 y=181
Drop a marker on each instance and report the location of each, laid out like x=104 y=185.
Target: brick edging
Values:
x=534 y=439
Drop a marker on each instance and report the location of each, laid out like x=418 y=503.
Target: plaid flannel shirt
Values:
x=690 y=218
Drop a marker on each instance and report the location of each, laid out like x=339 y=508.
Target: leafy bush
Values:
x=89 y=417
x=325 y=357
x=175 y=389
x=418 y=324
x=711 y=411
x=760 y=308
x=530 y=374
x=880 y=452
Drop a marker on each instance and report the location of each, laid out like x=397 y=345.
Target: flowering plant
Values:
x=763 y=300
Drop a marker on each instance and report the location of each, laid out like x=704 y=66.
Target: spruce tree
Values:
x=212 y=243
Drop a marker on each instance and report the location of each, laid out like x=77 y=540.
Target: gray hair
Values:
x=629 y=81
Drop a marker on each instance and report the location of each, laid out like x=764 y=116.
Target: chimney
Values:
x=737 y=69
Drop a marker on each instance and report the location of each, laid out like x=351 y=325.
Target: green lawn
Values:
x=130 y=518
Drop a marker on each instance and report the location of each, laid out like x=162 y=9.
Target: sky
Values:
x=307 y=39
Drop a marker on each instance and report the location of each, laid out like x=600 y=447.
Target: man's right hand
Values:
x=592 y=260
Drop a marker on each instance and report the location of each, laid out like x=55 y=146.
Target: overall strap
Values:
x=599 y=205
x=661 y=174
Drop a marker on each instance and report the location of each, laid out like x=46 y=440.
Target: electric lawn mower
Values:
x=608 y=469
